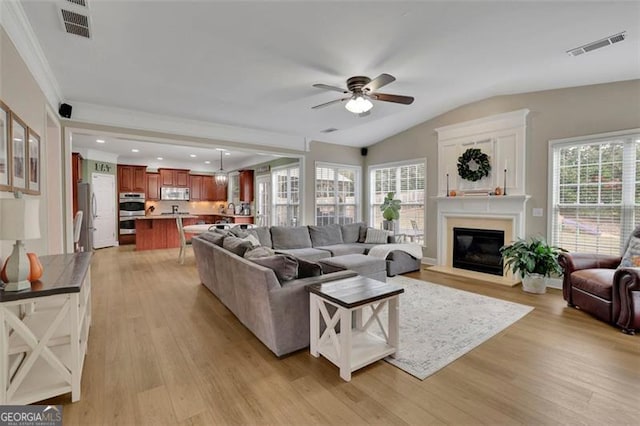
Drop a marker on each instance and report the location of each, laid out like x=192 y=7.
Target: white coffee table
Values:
x=354 y=347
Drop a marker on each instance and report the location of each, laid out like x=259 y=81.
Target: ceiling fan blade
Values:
x=385 y=97
x=378 y=82
x=326 y=104
x=334 y=88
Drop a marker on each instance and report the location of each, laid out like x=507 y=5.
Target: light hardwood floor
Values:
x=164 y=350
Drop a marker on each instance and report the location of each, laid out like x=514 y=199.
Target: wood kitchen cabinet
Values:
x=220 y=192
x=153 y=187
x=76 y=176
x=132 y=178
x=246 y=186
x=176 y=178
x=196 y=193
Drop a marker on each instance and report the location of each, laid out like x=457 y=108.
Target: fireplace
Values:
x=478 y=250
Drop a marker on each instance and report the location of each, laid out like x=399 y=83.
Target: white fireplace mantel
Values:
x=476 y=209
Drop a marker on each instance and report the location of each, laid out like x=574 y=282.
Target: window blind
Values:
x=595 y=193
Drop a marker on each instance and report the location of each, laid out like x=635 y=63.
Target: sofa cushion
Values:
x=325 y=235
x=236 y=245
x=363 y=234
x=252 y=239
x=285 y=267
x=310 y=254
x=213 y=237
x=263 y=234
x=238 y=232
x=376 y=236
x=367 y=266
x=351 y=232
x=260 y=251
x=594 y=281
x=290 y=237
x=342 y=249
x=631 y=256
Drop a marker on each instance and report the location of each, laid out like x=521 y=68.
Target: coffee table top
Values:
x=356 y=291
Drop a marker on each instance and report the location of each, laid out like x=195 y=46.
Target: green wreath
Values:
x=477 y=157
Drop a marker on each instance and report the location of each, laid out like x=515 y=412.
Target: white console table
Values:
x=44 y=332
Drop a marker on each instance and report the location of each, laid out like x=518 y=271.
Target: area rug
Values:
x=439 y=324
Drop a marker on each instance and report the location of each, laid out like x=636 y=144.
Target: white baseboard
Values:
x=429 y=261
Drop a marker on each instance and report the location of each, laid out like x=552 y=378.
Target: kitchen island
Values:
x=161 y=231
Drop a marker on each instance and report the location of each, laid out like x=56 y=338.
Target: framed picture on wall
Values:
x=33 y=161
x=18 y=137
x=4 y=148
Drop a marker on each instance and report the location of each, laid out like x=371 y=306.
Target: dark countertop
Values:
x=62 y=273
x=187 y=216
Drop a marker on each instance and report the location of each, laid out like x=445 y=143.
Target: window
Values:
x=286 y=195
x=408 y=182
x=595 y=192
x=337 y=194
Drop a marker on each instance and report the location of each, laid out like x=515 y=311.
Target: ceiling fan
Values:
x=361 y=91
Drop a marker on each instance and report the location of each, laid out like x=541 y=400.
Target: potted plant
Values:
x=390 y=212
x=535 y=260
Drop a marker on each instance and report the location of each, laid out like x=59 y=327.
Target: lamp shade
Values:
x=19 y=219
x=358 y=104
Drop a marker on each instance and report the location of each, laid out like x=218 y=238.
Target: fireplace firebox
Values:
x=478 y=250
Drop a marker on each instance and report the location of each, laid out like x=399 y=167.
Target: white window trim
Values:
x=301 y=202
x=358 y=186
x=559 y=143
x=373 y=167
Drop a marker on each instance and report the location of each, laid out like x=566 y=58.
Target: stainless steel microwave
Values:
x=174 y=194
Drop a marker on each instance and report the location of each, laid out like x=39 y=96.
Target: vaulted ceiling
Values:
x=250 y=65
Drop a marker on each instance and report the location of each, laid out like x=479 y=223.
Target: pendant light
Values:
x=221 y=176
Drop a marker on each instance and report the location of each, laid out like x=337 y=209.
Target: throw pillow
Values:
x=285 y=267
x=363 y=233
x=263 y=233
x=255 y=242
x=236 y=245
x=260 y=251
x=212 y=237
x=351 y=232
x=327 y=235
x=239 y=232
x=632 y=255
x=376 y=236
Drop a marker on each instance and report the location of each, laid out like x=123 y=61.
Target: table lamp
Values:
x=19 y=220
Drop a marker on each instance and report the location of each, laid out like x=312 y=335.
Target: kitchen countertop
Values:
x=187 y=216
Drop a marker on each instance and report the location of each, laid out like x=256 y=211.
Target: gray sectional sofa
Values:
x=271 y=301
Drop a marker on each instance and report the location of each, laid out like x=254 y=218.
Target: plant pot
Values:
x=390 y=225
x=535 y=283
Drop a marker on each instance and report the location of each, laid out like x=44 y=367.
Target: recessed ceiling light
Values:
x=160 y=158
x=135 y=150
x=207 y=162
x=17 y=139
x=192 y=155
x=220 y=149
x=227 y=153
x=100 y=140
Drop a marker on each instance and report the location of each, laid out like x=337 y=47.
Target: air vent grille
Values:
x=82 y=3
x=598 y=44
x=75 y=23
x=329 y=130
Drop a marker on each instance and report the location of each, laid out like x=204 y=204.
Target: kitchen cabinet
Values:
x=159 y=233
x=246 y=186
x=204 y=188
x=132 y=178
x=196 y=189
x=76 y=176
x=153 y=187
x=176 y=178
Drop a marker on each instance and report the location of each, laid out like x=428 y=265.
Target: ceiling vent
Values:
x=329 y=130
x=82 y=3
x=75 y=18
x=598 y=44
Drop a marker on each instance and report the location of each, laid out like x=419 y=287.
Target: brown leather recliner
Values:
x=592 y=283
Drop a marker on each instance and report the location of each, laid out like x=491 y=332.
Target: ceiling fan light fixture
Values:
x=221 y=176
x=358 y=104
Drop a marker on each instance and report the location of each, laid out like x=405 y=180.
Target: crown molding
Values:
x=14 y=21
x=139 y=120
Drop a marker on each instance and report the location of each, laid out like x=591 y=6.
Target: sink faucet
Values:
x=174 y=209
